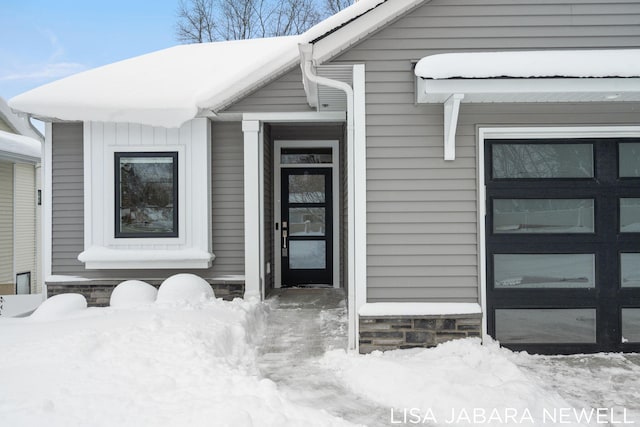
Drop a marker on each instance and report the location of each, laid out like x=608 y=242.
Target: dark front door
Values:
x=307 y=233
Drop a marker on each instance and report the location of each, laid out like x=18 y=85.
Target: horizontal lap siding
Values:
x=6 y=223
x=25 y=221
x=286 y=93
x=227 y=194
x=67 y=226
x=422 y=211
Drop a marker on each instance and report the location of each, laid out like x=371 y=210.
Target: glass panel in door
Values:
x=306 y=237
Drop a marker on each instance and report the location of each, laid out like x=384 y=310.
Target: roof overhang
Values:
x=16 y=148
x=453 y=92
x=530 y=89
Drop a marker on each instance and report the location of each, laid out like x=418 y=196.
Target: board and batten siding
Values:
x=422 y=224
x=25 y=221
x=68 y=206
x=6 y=225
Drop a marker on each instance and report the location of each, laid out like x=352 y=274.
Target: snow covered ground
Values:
x=206 y=362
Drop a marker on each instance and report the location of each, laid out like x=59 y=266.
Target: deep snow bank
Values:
x=181 y=364
x=458 y=383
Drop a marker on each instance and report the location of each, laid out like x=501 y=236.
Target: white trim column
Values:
x=47 y=206
x=252 y=218
x=359 y=223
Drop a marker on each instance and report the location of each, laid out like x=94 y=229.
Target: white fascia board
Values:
x=303 y=116
x=18 y=158
x=353 y=32
x=499 y=90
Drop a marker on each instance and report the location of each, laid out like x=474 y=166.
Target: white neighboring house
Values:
x=20 y=150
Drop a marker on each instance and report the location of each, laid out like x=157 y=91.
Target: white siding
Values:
x=25 y=221
x=6 y=223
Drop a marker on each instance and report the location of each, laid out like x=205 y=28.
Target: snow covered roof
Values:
x=530 y=64
x=170 y=86
x=20 y=125
x=19 y=147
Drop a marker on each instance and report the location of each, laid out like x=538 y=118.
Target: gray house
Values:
x=459 y=167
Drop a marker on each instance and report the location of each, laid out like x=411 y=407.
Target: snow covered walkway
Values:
x=301 y=326
x=302 y=352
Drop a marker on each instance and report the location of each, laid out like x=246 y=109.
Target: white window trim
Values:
x=557 y=132
x=109 y=185
x=335 y=171
x=192 y=248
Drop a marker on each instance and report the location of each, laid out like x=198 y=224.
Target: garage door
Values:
x=563 y=244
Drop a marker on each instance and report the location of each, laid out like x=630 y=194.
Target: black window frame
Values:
x=118 y=234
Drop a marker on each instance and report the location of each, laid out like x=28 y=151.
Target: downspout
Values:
x=306 y=53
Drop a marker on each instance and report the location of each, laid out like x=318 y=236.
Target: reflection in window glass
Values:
x=630 y=215
x=629 y=159
x=544 y=271
x=307 y=254
x=307 y=188
x=23 y=283
x=146 y=194
x=543 y=216
x=521 y=326
x=542 y=160
x=630 y=270
x=290 y=156
x=631 y=325
x=306 y=222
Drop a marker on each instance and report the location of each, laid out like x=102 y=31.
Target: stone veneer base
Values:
x=398 y=332
x=98 y=292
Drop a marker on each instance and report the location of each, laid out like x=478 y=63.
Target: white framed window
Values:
x=147 y=196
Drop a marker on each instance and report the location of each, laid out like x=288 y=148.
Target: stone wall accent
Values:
x=98 y=292
x=397 y=332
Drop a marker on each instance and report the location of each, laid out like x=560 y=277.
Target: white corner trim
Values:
x=252 y=219
x=358 y=164
x=47 y=207
x=527 y=132
x=451 y=112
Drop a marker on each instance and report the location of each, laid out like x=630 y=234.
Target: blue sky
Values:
x=44 y=40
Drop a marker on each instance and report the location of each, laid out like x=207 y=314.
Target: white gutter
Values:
x=306 y=53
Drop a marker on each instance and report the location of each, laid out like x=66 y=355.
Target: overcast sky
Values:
x=44 y=40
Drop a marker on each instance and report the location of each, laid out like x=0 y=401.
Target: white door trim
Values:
x=277 y=167
x=559 y=132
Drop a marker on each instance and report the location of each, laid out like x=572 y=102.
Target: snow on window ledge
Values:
x=107 y=258
x=387 y=309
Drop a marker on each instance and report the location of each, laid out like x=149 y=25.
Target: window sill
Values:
x=98 y=258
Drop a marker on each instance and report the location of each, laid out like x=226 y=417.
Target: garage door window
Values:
x=563 y=246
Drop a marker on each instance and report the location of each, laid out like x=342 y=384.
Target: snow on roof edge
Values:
x=20 y=146
x=585 y=63
x=95 y=103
